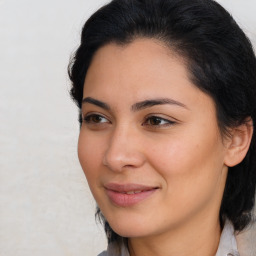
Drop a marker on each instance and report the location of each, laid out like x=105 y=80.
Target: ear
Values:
x=239 y=143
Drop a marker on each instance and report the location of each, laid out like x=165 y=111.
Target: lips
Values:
x=125 y=195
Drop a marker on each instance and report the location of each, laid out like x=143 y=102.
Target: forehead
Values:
x=143 y=59
x=139 y=70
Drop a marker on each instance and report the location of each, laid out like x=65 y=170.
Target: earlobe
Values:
x=239 y=143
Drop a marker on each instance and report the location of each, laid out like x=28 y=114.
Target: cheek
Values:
x=190 y=165
x=90 y=156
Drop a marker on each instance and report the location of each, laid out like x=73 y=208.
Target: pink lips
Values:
x=125 y=195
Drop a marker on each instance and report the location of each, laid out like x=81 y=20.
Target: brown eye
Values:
x=157 y=121
x=154 y=120
x=95 y=119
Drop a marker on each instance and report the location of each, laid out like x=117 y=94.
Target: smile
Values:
x=132 y=192
x=126 y=195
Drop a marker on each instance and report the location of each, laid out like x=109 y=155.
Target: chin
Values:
x=131 y=226
x=129 y=231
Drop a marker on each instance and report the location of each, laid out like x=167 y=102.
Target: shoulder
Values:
x=242 y=244
x=246 y=241
x=115 y=249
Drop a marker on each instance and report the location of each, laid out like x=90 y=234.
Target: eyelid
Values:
x=163 y=116
x=94 y=113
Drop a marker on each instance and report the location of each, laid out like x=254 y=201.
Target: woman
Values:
x=166 y=91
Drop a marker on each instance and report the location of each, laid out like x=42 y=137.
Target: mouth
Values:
x=125 y=195
x=132 y=192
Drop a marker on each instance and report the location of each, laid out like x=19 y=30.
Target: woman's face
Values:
x=149 y=143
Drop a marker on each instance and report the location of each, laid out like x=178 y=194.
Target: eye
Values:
x=157 y=121
x=95 y=119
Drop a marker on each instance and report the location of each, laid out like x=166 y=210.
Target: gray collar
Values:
x=227 y=245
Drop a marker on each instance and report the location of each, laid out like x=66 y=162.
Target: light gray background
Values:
x=45 y=204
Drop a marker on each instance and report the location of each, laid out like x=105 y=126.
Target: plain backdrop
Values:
x=45 y=203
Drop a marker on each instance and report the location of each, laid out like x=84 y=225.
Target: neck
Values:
x=194 y=239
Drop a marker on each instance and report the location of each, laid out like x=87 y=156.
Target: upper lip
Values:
x=128 y=187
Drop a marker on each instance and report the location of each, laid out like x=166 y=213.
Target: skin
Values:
x=182 y=152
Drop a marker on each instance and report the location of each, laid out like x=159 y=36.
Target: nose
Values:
x=125 y=150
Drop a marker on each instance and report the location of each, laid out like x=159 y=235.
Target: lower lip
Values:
x=125 y=200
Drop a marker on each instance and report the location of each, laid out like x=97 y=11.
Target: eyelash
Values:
x=89 y=120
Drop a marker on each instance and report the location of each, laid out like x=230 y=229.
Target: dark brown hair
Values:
x=221 y=63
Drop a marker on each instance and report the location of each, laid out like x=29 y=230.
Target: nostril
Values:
x=128 y=166
x=104 y=161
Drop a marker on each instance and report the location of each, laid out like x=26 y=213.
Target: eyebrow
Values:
x=152 y=102
x=137 y=106
x=96 y=102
